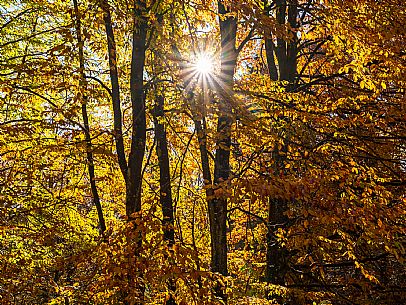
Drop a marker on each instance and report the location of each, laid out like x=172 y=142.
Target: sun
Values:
x=204 y=65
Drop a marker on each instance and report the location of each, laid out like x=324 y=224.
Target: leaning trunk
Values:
x=88 y=140
x=115 y=89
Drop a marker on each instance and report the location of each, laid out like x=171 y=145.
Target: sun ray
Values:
x=204 y=65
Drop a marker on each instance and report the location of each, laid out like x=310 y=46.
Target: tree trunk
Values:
x=165 y=184
x=138 y=139
x=280 y=49
x=276 y=266
x=218 y=205
x=88 y=140
x=115 y=90
x=292 y=45
x=285 y=70
x=132 y=172
x=164 y=172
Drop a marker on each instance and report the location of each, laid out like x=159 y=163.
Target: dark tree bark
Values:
x=88 y=140
x=285 y=69
x=285 y=49
x=280 y=49
x=270 y=49
x=292 y=49
x=165 y=183
x=132 y=172
x=164 y=172
x=115 y=89
x=218 y=205
x=204 y=154
x=139 y=129
x=276 y=255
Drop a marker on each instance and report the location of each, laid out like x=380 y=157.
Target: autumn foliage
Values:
x=202 y=152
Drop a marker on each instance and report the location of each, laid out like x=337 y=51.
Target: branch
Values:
x=245 y=41
x=29 y=10
x=263 y=220
x=51 y=103
x=101 y=84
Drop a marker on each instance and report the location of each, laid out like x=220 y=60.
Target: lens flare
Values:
x=204 y=65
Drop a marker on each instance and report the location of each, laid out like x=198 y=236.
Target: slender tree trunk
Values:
x=115 y=90
x=204 y=155
x=139 y=129
x=200 y=126
x=217 y=205
x=270 y=49
x=89 y=146
x=164 y=172
x=132 y=172
x=292 y=45
x=276 y=266
x=165 y=183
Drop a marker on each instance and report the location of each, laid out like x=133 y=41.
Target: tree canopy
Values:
x=202 y=152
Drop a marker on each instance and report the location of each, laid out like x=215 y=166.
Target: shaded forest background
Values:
x=128 y=175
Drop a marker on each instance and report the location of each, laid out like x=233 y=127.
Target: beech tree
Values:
x=202 y=152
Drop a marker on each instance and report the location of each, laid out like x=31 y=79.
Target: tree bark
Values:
x=115 y=90
x=291 y=60
x=164 y=172
x=280 y=49
x=276 y=266
x=139 y=129
x=131 y=171
x=218 y=205
x=285 y=70
x=270 y=49
x=165 y=184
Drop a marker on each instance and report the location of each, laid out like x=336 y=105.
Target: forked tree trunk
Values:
x=115 y=90
x=131 y=171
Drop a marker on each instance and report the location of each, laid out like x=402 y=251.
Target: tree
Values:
x=236 y=151
x=89 y=146
x=131 y=170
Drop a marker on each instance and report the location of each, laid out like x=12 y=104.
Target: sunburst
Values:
x=205 y=71
x=204 y=65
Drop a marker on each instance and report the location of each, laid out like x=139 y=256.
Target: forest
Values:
x=192 y=152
